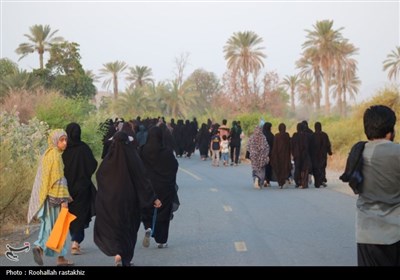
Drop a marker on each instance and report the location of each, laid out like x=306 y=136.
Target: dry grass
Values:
x=25 y=102
x=337 y=162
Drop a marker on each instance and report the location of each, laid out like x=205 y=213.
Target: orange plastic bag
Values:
x=59 y=232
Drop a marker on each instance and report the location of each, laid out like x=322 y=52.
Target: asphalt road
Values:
x=224 y=221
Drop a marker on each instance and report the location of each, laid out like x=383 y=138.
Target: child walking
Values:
x=49 y=194
x=225 y=150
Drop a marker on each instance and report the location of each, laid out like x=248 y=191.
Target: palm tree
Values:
x=18 y=81
x=179 y=101
x=244 y=56
x=345 y=78
x=325 y=42
x=291 y=83
x=139 y=76
x=41 y=39
x=305 y=89
x=392 y=63
x=92 y=75
x=114 y=69
x=134 y=102
x=310 y=69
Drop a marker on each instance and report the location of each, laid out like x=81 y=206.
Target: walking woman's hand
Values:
x=157 y=203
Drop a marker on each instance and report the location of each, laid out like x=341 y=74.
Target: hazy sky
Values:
x=154 y=34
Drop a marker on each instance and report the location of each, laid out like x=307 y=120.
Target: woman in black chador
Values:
x=161 y=167
x=123 y=190
x=280 y=157
x=79 y=166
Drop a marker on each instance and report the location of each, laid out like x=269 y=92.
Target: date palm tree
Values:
x=291 y=82
x=179 y=101
x=139 y=76
x=41 y=39
x=134 y=102
x=310 y=69
x=345 y=79
x=244 y=56
x=92 y=75
x=392 y=63
x=112 y=69
x=305 y=89
x=20 y=80
x=325 y=41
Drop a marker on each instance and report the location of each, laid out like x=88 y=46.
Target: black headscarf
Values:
x=154 y=144
x=79 y=166
x=161 y=167
x=122 y=190
x=268 y=134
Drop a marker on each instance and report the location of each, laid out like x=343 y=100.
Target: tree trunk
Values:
x=339 y=102
x=115 y=83
x=326 y=88
x=41 y=61
x=246 y=84
x=292 y=100
x=317 y=99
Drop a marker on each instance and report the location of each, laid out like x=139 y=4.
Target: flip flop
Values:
x=76 y=251
x=37 y=255
x=64 y=262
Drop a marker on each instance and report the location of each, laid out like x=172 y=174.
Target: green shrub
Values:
x=91 y=134
x=58 y=111
x=15 y=185
x=20 y=147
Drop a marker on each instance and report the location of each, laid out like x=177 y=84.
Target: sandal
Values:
x=61 y=261
x=38 y=255
x=118 y=260
x=76 y=249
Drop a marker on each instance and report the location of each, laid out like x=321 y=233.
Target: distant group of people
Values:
x=136 y=180
x=272 y=155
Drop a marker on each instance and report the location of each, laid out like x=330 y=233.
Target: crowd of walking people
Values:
x=282 y=158
x=136 y=179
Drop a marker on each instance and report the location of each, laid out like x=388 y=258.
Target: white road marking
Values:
x=213 y=189
x=240 y=246
x=190 y=173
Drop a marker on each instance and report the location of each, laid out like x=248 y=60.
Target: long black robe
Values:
x=79 y=166
x=203 y=140
x=320 y=148
x=161 y=167
x=270 y=139
x=123 y=190
x=302 y=161
x=280 y=158
x=178 y=134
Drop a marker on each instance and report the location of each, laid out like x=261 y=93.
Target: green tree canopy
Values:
x=65 y=72
x=206 y=84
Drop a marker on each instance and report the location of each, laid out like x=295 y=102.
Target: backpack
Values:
x=215 y=142
x=353 y=171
